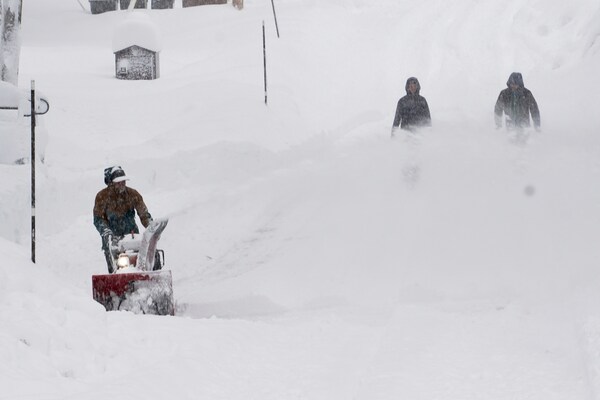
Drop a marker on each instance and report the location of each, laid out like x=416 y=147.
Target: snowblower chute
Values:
x=138 y=283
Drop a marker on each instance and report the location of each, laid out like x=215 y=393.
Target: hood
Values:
x=517 y=78
x=412 y=78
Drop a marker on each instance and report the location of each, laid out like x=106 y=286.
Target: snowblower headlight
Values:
x=123 y=261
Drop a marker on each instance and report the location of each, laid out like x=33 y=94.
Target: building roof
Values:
x=132 y=46
x=136 y=30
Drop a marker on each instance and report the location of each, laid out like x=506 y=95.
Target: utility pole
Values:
x=264 y=60
x=33 y=171
x=275 y=17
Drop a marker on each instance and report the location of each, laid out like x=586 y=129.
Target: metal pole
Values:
x=275 y=17
x=33 y=171
x=264 y=59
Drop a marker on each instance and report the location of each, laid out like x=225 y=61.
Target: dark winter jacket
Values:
x=517 y=105
x=116 y=211
x=412 y=110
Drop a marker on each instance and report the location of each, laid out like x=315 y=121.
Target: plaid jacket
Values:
x=116 y=211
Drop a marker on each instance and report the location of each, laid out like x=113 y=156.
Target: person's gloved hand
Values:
x=106 y=233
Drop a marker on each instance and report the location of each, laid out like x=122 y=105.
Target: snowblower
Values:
x=138 y=282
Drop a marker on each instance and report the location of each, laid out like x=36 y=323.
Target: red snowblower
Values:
x=138 y=284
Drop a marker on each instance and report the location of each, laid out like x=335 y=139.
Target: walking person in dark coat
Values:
x=517 y=103
x=412 y=110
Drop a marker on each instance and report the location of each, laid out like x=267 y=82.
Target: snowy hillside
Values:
x=313 y=257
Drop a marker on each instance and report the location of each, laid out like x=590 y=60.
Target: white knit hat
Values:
x=118 y=175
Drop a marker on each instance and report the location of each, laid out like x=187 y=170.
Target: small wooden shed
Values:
x=136 y=46
x=137 y=63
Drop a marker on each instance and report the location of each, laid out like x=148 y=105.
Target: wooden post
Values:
x=264 y=59
x=33 y=171
x=275 y=17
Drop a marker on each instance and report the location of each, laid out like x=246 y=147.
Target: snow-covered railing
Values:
x=13 y=98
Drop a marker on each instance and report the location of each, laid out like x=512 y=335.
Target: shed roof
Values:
x=136 y=30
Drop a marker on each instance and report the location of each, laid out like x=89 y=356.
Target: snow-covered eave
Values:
x=156 y=50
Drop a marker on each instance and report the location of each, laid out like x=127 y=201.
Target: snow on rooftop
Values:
x=137 y=29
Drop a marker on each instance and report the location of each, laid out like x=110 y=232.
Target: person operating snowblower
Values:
x=136 y=280
x=114 y=210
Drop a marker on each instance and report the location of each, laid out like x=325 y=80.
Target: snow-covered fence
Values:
x=161 y=4
x=193 y=3
x=138 y=4
x=101 y=6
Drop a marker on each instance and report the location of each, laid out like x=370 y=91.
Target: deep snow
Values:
x=307 y=263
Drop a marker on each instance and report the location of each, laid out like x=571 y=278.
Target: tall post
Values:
x=33 y=171
x=264 y=59
x=275 y=17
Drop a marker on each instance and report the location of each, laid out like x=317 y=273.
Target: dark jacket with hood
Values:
x=412 y=110
x=115 y=210
x=517 y=105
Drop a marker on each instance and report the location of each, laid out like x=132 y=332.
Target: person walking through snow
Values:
x=412 y=110
x=517 y=103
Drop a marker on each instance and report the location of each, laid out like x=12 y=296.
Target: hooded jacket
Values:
x=412 y=110
x=517 y=105
x=116 y=210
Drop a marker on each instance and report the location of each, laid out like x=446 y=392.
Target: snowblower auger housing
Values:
x=138 y=282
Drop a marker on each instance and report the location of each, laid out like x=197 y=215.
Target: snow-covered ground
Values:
x=314 y=257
